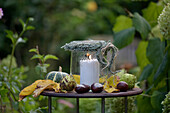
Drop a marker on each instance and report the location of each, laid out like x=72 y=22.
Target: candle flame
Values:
x=88 y=56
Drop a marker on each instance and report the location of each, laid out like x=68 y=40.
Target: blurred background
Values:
x=58 y=22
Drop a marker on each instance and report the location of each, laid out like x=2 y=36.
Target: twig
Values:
x=38 y=54
x=128 y=12
x=1 y=104
x=12 y=93
x=10 y=99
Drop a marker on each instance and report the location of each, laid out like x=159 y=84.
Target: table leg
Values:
x=126 y=104
x=103 y=105
x=49 y=104
x=77 y=99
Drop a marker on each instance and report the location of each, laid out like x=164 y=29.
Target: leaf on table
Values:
x=55 y=86
x=111 y=90
x=28 y=90
x=111 y=84
x=77 y=78
x=41 y=86
x=102 y=79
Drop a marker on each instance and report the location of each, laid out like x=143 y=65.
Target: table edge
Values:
x=135 y=91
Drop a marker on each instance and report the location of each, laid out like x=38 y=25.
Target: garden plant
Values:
x=58 y=22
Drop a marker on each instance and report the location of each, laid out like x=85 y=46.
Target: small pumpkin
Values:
x=56 y=76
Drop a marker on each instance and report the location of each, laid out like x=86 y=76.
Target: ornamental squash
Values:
x=56 y=76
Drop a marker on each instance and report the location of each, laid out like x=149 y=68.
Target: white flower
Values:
x=1 y=13
x=164 y=21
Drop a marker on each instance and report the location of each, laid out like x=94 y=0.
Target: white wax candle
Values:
x=89 y=71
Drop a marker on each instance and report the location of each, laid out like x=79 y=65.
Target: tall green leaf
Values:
x=122 y=22
x=22 y=23
x=146 y=72
x=162 y=69
x=10 y=35
x=155 y=51
x=156 y=99
x=30 y=28
x=152 y=12
x=141 y=25
x=50 y=57
x=144 y=104
x=33 y=50
x=124 y=37
x=37 y=57
x=142 y=60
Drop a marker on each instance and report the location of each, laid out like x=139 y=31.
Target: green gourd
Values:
x=56 y=76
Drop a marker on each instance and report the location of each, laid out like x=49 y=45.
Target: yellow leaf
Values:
x=28 y=90
x=111 y=90
x=56 y=87
x=102 y=79
x=112 y=81
x=110 y=84
x=77 y=78
x=41 y=86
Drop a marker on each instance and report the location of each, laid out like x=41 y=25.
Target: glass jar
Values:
x=91 y=59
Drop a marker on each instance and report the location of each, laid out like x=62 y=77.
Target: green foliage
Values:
x=129 y=79
x=117 y=105
x=166 y=1
x=141 y=25
x=42 y=66
x=166 y=103
x=6 y=61
x=164 y=22
x=147 y=71
x=152 y=12
x=144 y=104
x=152 y=55
x=122 y=22
x=156 y=100
x=124 y=37
x=142 y=60
x=90 y=105
x=59 y=21
x=162 y=69
x=12 y=76
x=155 y=48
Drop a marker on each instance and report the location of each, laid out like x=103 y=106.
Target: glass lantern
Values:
x=91 y=59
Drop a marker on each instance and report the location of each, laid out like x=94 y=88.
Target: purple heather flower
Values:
x=1 y=13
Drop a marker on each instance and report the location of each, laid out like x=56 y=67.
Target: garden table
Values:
x=102 y=95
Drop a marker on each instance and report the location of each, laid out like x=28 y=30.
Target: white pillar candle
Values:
x=89 y=71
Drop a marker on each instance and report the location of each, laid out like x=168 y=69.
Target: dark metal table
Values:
x=103 y=95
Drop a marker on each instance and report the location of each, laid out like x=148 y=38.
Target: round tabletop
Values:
x=134 y=91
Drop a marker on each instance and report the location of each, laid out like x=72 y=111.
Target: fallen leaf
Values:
x=28 y=90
